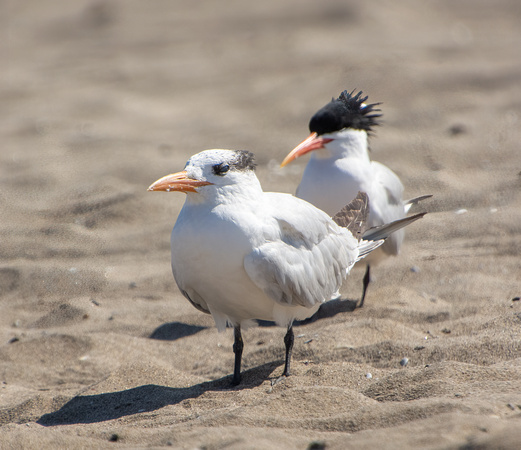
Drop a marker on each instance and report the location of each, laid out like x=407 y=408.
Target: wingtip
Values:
x=384 y=231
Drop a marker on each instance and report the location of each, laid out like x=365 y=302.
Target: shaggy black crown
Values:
x=347 y=111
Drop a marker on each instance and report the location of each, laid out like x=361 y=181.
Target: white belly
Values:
x=209 y=267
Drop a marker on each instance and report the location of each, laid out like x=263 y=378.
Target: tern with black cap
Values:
x=340 y=166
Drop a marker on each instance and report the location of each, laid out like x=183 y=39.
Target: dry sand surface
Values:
x=100 y=98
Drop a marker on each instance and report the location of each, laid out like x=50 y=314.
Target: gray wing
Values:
x=305 y=256
x=384 y=231
x=387 y=206
x=389 y=201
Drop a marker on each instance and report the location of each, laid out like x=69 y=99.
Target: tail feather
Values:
x=366 y=247
x=408 y=204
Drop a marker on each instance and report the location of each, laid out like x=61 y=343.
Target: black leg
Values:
x=238 y=345
x=288 y=340
x=367 y=279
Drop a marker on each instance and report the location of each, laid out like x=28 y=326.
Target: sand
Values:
x=100 y=98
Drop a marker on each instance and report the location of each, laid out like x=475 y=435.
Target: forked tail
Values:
x=354 y=216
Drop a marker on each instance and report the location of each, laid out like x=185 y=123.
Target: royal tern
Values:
x=240 y=254
x=340 y=166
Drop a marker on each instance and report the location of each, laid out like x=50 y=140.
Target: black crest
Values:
x=347 y=111
x=244 y=161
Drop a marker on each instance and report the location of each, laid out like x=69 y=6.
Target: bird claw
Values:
x=279 y=379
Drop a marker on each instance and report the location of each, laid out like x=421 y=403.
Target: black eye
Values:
x=221 y=169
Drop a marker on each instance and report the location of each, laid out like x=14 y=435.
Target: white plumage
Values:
x=239 y=253
x=340 y=166
x=337 y=172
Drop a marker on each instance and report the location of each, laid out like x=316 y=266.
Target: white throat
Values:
x=347 y=143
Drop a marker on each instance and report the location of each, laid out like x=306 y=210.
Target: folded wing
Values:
x=305 y=255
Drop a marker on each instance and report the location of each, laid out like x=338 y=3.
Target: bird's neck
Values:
x=345 y=144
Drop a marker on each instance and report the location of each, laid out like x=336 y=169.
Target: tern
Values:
x=241 y=254
x=340 y=166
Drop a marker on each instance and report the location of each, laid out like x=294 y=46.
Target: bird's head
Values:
x=208 y=171
x=340 y=119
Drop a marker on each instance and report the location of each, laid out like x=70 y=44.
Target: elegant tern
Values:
x=240 y=254
x=340 y=166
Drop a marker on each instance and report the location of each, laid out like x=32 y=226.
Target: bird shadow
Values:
x=175 y=330
x=151 y=397
x=326 y=310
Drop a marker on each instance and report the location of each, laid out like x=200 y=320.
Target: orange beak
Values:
x=313 y=142
x=177 y=182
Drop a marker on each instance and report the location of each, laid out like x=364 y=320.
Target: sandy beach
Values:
x=98 y=348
